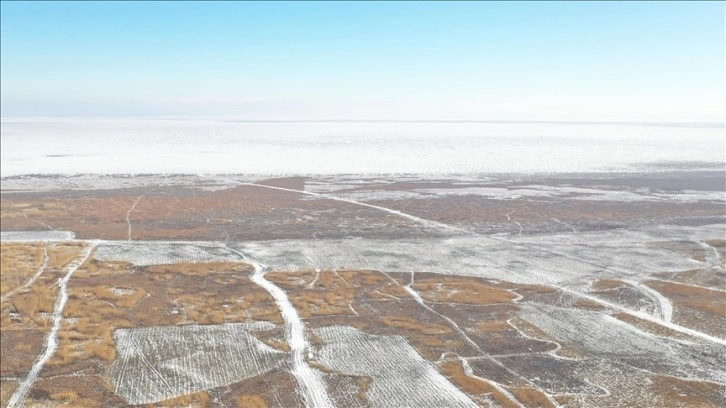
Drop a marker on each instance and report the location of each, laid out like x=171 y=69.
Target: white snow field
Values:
x=401 y=377
x=31 y=236
x=76 y=145
x=143 y=253
x=158 y=363
x=573 y=260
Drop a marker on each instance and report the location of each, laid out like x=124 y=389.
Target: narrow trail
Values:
x=470 y=373
x=712 y=256
x=32 y=280
x=315 y=279
x=511 y=220
x=309 y=381
x=426 y=223
x=51 y=342
x=38 y=222
x=664 y=306
x=128 y=213
x=565 y=224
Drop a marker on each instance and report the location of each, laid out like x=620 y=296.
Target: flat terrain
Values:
x=580 y=290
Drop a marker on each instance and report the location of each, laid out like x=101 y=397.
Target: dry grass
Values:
x=120 y=297
x=705 y=300
x=471 y=385
x=96 y=268
x=199 y=399
x=7 y=388
x=685 y=393
x=18 y=262
x=605 y=284
x=201 y=269
x=465 y=291
x=530 y=397
x=491 y=326
x=363 y=383
x=66 y=396
x=407 y=323
x=649 y=326
x=310 y=302
x=587 y=304
x=250 y=401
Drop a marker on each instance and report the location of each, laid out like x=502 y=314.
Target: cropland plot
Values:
x=399 y=376
x=157 y=253
x=602 y=336
x=105 y=296
x=545 y=261
x=158 y=363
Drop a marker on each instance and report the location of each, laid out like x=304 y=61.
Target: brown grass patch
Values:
x=66 y=396
x=688 y=393
x=7 y=389
x=199 y=399
x=491 y=326
x=407 y=323
x=717 y=243
x=705 y=300
x=530 y=397
x=649 y=326
x=201 y=269
x=463 y=291
x=18 y=262
x=120 y=297
x=250 y=401
x=587 y=304
x=605 y=284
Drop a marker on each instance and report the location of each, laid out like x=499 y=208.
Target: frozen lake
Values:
x=110 y=146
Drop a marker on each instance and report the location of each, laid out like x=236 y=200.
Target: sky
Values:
x=375 y=60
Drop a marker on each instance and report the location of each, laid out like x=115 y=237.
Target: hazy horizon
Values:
x=365 y=61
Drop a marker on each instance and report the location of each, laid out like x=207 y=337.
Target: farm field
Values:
x=576 y=290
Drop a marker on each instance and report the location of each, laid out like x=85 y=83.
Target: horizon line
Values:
x=706 y=123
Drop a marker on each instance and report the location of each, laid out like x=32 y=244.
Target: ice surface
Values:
x=69 y=146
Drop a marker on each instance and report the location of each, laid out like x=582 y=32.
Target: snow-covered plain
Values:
x=555 y=259
x=158 y=363
x=143 y=253
x=34 y=236
x=117 y=146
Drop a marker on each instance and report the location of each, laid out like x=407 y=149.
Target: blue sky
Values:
x=518 y=60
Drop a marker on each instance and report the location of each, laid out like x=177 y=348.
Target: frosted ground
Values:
x=70 y=146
